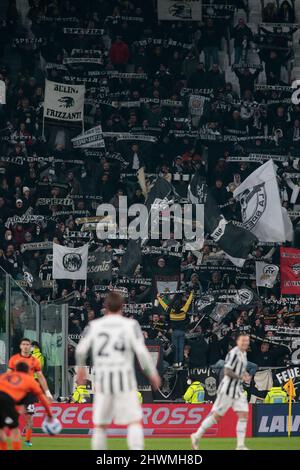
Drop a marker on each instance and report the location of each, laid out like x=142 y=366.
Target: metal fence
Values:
x=21 y=316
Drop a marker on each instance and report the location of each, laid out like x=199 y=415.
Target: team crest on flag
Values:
x=261 y=206
x=253 y=204
x=266 y=274
x=69 y=263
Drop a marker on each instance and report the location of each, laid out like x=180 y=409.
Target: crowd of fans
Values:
x=200 y=120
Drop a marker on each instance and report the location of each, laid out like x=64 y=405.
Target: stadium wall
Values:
x=160 y=420
x=177 y=420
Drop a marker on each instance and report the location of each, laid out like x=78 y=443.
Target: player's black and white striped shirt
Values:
x=116 y=380
x=114 y=341
x=236 y=360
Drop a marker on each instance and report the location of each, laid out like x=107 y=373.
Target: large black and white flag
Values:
x=234 y=240
x=64 y=102
x=179 y=10
x=260 y=204
x=70 y=263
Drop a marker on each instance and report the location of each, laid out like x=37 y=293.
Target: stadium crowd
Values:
x=172 y=85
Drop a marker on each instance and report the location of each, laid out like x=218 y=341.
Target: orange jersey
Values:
x=19 y=384
x=32 y=362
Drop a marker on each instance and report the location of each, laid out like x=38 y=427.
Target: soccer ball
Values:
x=52 y=427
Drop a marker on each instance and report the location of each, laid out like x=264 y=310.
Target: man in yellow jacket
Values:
x=178 y=315
x=276 y=395
x=81 y=395
x=195 y=393
x=37 y=353
x=140 y=397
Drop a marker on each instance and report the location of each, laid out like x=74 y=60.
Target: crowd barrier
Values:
x=160 y=420
x=177 y=420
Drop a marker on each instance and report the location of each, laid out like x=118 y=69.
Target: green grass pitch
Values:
x=77 y=443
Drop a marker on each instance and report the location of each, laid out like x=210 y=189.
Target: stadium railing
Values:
x=21 y=316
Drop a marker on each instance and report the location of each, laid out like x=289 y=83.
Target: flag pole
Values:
x=290 y=416
x=290 y=390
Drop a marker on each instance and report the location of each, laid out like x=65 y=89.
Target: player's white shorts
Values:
x=224 y=402
x=122 y=408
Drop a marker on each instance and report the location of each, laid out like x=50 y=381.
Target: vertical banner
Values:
x=196 y=107
x=179 y=10
x=2 y=92
x=290 y=270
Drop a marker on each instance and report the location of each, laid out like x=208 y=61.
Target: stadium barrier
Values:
x=21 y=316
x=177 y=420
x=272 y=421
x=160 y=420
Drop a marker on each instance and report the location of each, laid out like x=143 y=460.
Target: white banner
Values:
x=260 y=204
x=70 y=263
x=266 y=274
x=89 y=139
x=179 y=10
x=64 y=102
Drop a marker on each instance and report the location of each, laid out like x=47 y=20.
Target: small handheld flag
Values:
x=290 y=390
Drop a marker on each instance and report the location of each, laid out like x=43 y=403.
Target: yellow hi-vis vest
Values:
x=81 y=395
x=140 y=397
x=39 y=356
x=276 y=395
x=195 y=393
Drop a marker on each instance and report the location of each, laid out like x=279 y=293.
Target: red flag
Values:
x=290 y=270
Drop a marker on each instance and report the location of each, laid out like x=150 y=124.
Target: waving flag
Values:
x=234 y=240
x=260 y=204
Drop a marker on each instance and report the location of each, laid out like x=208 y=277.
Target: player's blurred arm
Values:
x=81 y=355
x=231 y=374
x=36 y=390
x=42 y=398
x=43 y=383
x=144 y=357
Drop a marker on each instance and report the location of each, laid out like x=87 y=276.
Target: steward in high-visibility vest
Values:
x=81 y=395
x=195 y=393
x=140 y=397
x=276 y=395
x=36 y=352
